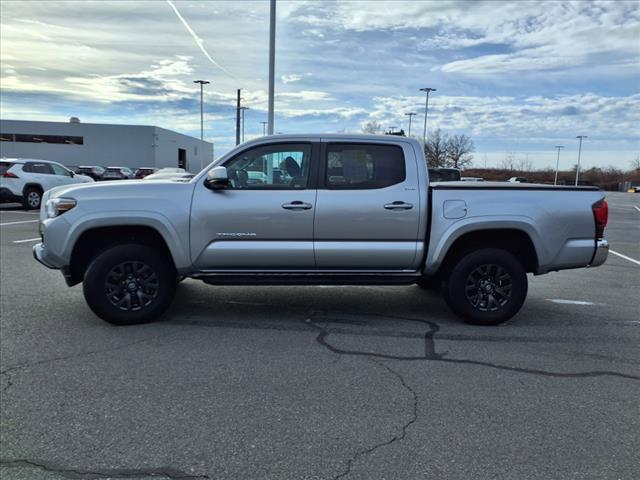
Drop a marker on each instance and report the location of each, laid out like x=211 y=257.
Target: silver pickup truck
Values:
x=318 y=210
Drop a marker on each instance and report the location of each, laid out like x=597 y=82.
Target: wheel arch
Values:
x=514 y=239
x=91 y=241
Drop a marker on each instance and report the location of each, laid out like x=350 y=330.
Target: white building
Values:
x=76 y=143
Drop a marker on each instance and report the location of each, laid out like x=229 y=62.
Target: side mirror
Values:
x=217 y=178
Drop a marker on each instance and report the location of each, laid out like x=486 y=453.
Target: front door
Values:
x=264 y=219
x=367 y=208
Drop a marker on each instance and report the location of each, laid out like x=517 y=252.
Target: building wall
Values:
x=106 y=145
x=168 y=143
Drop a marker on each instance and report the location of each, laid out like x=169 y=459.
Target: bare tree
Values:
x=524 y=164
x=508 y=162
x=635 y=163
x=459 y=148
x=435 y=149
x=372 y=128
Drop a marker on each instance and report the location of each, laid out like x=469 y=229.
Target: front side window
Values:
x=58 y=170
x=271 y=167
x=354 y=166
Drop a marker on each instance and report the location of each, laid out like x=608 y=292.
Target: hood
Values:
x=118 y=189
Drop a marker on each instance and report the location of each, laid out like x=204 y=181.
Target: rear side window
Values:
x=4 y=166
x=37 y=167
x=363 y=166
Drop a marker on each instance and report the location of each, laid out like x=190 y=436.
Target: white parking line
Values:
x=27 y=240
x=625 y=257
x=571 y=302
x=20 y=213
x=636 y=207
x=15 y=223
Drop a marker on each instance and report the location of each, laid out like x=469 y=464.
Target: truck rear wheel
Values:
x=129 y=284
x=486 y=287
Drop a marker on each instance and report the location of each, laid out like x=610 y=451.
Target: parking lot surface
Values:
x=322 y=383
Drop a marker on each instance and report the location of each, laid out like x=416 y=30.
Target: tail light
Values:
x=9 y=175
x=601 y=217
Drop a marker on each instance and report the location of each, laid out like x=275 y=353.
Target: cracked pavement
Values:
x=322 y=383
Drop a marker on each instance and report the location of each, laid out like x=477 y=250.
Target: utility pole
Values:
x=410 y=114
x=558 y=147
x=264 y=128
x=238 y=119
x=202 y=83
x=427 y=90
x=579 y=152
x=272 y=63
x=242 y=109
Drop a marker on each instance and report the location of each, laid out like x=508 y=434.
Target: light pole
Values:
x=272 y=63
x=391 y=129
x=202 y=84
x=410 y=114
x=579 y=152
x=264 y=126
x=427 y=90
x=558 y=147
x=242 y=109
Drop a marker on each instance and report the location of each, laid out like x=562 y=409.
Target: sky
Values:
x=517 y=77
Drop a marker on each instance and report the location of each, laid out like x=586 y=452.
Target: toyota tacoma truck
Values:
x=318 y=210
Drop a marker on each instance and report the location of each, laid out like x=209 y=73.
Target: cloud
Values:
x=291 y=78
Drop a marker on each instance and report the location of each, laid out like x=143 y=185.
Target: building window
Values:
x=35 y=138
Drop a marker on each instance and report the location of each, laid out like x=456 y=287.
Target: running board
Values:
x=306 y=279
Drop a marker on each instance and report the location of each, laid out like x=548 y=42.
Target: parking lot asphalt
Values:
x=322 y=383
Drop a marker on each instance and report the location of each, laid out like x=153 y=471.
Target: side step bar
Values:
x=306 y=279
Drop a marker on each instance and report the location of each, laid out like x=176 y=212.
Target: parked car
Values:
x=117 y=173
x=92 y=171
x=517 y=180
x=25 y=180
x=362 y=213
x=169 y=174
x=444 y=175
x=144 y=171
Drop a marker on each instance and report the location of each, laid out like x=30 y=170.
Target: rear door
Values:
x=41 y=173
x=264 y=219
x=367 y=207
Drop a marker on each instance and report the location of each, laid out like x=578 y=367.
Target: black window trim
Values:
x=322 y=167
x=312 y=181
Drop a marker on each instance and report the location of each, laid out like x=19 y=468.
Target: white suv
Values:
x=24 y=180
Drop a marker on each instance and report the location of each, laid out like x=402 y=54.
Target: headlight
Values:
x=57 y=206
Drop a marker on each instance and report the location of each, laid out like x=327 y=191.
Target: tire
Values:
x=32 y=198
x=432 y=284
x=486 y=287
x=129 y=284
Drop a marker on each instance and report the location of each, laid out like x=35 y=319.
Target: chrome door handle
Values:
x=399 y=206
x=297 y=205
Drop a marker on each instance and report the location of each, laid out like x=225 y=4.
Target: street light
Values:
x=579 y=152
x=264 y=125
x=427 y=90
x=202 y=84
x=410 y=114
x=391 y=129
x=272 y=64
x=242 y=109
x=559 y=147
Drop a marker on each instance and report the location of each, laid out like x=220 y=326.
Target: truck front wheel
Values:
x=486 y=287
x=129 y=284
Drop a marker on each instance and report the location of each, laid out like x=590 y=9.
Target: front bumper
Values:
x=38 y=254
x=601 y=253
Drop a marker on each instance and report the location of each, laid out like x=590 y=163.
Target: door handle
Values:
x=398 y=206
x=297 y=205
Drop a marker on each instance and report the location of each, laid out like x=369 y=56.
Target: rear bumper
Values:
x=601 y=253
x=7 y=195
